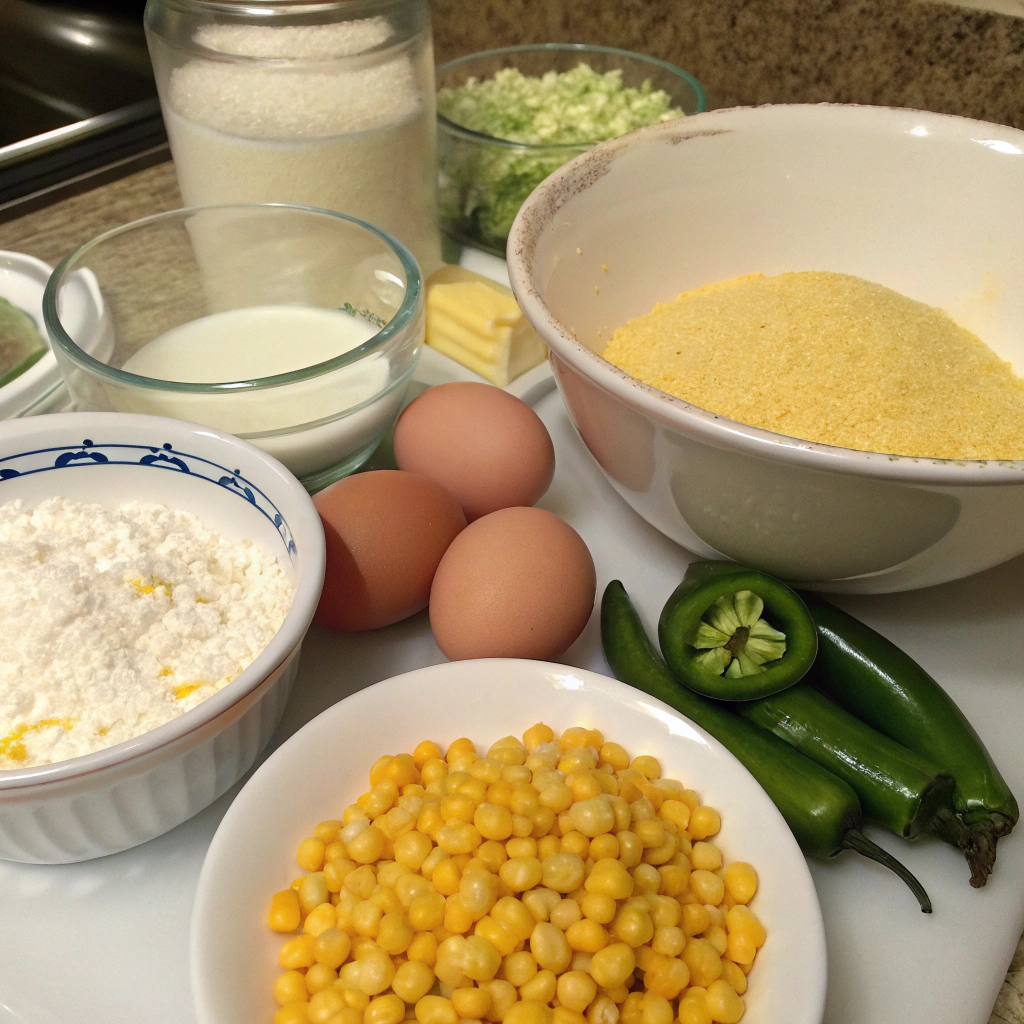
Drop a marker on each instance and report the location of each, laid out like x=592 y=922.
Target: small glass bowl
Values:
x=113 y=296
x=470 y=163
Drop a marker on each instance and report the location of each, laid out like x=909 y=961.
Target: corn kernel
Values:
x=540 y=988
x=633 y=926
x=412 y=981
x=549 y=947
x=741 y=881
x=293 y=1013
x=422 y=949
x=576 y=989
x=734 y=977
x=471 y=1003
x=319 y=977
x=708 y=887
x=723 y=1004
x=703 y=960
x=519 y=968
x=515 y=916
x=529 y=1012
x=603 y=1011
x=503 y=997
x=540 y=902
x=611 y=966
x=425 y=751
x=745 y=935
x=704 y=822
x=457 y=919
x=587 y=936
x=290 y=987
x=394 y=933
x=667 y=976
x=285 y=913
x=565 y=914
x=695 y=919
x=435 y=1010
x=717 y=937
x=320 y=919
x=610 y=878
x=593 y=817
x=521 y=873
x=500 y=937
x=596 y=906
x=356 y=1000
x=631 y=850
x=656 y=1009
x=297 y=953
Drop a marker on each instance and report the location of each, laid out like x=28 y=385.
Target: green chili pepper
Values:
x=735 y=633
x=822 y=811
x=898 y=788
x=874 y=680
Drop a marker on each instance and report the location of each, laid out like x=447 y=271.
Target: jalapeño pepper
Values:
x=736 y=634
x=880 y=684
x=821 y=809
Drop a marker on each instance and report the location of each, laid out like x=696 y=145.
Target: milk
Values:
x=310 y=425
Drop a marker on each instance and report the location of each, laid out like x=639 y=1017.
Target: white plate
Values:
x=40 y=389
x=234 y=953
x=22 y=280
x=118 y=927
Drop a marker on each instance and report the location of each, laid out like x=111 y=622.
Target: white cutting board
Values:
x=107 y=940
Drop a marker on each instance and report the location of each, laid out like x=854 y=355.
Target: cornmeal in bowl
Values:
x=833 y=359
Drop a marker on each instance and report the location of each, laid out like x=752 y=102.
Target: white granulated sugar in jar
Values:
x=335 y=116
x=115 y=622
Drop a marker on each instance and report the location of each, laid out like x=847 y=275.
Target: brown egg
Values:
x=487 y=447
x=386 y=532
x=518 y=583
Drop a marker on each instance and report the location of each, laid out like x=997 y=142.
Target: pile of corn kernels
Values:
x=551 y=881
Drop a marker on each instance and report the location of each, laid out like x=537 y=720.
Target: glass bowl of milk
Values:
x=297 y=329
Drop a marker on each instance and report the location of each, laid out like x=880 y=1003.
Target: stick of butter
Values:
x=476 y=322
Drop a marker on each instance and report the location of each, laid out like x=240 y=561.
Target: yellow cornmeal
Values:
x=830 y=358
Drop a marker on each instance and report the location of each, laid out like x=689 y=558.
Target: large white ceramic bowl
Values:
x=136 y=790
x=927 y=204
x=325 y=765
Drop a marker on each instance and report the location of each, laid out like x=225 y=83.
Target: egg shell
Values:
x=487 y=447
x=518 y=583
x=386 y=532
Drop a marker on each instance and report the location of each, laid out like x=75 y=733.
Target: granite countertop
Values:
x=961 y=58
x=949 y=57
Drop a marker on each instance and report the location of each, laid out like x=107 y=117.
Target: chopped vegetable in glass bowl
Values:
x=508 y=118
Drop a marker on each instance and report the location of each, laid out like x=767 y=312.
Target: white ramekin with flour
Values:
x=125 y=794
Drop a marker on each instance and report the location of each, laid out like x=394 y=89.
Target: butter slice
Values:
x=478 y=323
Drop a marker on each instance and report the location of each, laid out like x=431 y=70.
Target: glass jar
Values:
x=328 y=103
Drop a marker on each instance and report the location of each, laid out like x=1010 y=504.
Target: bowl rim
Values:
x=403 y=318
x=304 y=520
x=388 y=692
x=471 y=135
x=582 y=171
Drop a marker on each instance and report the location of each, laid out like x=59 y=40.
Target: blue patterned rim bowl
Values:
x=232 y=486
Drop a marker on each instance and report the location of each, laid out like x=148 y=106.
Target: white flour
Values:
x=115 y=622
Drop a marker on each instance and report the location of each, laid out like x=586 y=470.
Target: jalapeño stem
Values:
x=856 y=840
